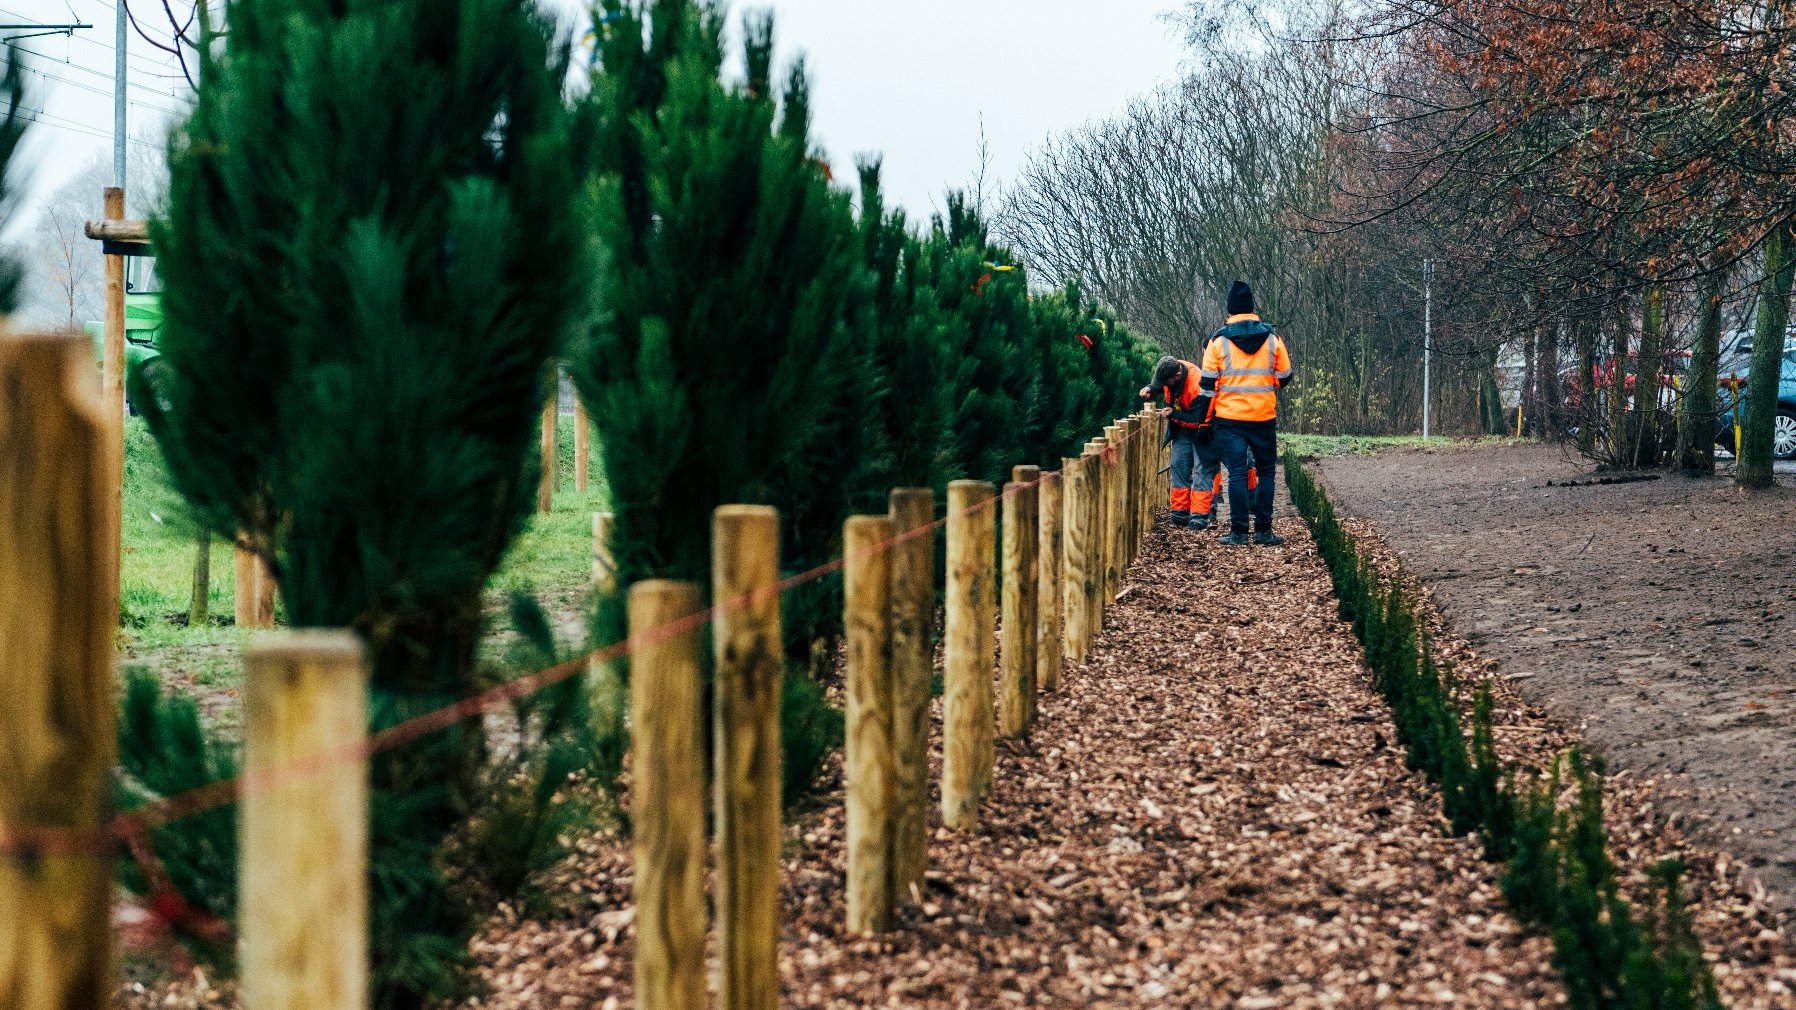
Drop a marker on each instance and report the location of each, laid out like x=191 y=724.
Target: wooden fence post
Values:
x=749 y=666
x=265 y=592
x=1075 y=545
x=867 y=620
x=56 y=634
x=1150 y=470
x=304 y=881
x=1125 y=459
x=913 y=660
x=1016 y=655
x=1099 y=474
x=199 y=599
x=668 y=803
x=1115 y=560
x=545 y=490
x=582 y=447
x=970 y=643
x=112 y=405
x=604 y=676
x=1049 y=648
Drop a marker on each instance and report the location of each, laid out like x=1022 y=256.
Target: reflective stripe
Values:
x=1252 y=389
x=1249 y=371
x=1207 y=374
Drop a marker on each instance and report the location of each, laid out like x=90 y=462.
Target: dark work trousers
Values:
x=1249 y=445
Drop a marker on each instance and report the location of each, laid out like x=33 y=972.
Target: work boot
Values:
x=1268 y=539
x=1199 y=522
x=1179 y=520
x=1234 y=540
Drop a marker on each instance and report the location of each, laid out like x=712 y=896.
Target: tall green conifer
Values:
x=373 y=249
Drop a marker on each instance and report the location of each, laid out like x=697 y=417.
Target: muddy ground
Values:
x=1659 y=616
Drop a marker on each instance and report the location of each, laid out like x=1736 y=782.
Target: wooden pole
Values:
x=913 y=660
x=1075 y=545
x=1099 y=474
x=582 y=447
x=749 y=663
x=303 y=905
x=1115 y=559
x=1131 y=460
x=199 y=601
x=112 y=402
x=545 y=491
x=1016 y=650
x=56 y=632
x=969 y=644
x=244 y=602
x=668 y=801
x=265 y=590
x=867 y=620
x=1049 y=648
x=604 y=677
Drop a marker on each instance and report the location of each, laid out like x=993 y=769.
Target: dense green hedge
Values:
x=1558 y=876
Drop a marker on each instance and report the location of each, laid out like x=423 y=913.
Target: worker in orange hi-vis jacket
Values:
x=1245 y=366
x=1191 y=435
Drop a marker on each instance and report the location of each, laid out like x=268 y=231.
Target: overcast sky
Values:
x=906 y=79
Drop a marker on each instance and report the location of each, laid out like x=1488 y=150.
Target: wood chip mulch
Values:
x=1212 y=812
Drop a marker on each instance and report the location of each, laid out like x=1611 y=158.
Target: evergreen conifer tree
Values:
x=731 y=268
x=12 y=130
x=373 y=248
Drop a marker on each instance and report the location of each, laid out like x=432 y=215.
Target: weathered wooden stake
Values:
x=549 y=480
x=304 y=878
x=582 y=447
x=199 y=600
x=749 y=664
x=112 y=406
x=244 y=605
x=1049 y=648
x=1016 y=649
x=867 y=620
x=668 y=797
x=1075 y=545
x=969 y=645
x=56 y=636
x=913 y=660
x=1099 y=474
x=265 y=592
x=1115 y=481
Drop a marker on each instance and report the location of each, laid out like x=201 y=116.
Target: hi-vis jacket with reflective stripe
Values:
x=1244 y=366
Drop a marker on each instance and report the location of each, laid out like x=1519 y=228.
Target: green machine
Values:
x=143 y=321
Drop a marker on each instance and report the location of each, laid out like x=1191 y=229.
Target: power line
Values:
x=90 y=71
x=90 y=89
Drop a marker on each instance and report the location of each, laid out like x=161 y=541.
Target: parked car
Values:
x=1783 y=444
x=143 y=321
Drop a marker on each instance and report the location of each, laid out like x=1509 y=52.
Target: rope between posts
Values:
x=131 y=830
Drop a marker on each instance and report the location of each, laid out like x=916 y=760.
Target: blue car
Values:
x=1783 y=444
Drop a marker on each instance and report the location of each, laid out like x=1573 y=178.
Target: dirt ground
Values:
x=1658 y=617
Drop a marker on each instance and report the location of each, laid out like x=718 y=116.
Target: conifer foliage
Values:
x=372 y=250
x=12 y=130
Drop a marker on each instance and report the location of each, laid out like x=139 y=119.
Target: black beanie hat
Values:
x=1240 y=301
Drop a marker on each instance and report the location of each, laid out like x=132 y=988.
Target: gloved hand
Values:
x=1205 y=434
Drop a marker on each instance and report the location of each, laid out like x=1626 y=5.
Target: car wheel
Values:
x=1783 y=439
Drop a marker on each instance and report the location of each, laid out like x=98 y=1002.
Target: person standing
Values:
x=1177 y=384
x=1244 y=367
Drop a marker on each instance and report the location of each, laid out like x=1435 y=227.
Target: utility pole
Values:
x=1428 y=335
x=119 y=16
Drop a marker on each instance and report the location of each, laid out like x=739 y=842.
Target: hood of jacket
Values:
x=1246 y=332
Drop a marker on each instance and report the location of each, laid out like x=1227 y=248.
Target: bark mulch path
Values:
x=1212 y=812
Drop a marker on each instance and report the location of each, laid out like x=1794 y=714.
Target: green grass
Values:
x=552 y=562
x=1321 y=446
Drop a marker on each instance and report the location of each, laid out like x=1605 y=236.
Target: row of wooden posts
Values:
x=1068 y=538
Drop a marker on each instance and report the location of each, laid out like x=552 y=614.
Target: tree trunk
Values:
x=1696 y=436
x=1647 y=380
x=1546 y=379
x=1767 y=360
x=1588 y=415
x=1620 y=446
x=1490 y=398
x=1527 y=404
